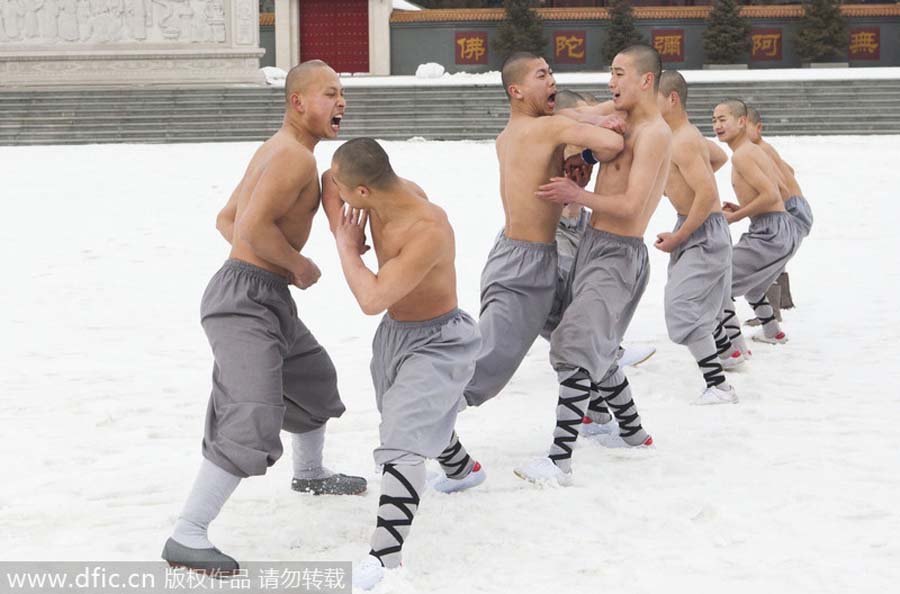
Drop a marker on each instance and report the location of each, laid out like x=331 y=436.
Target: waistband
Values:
x=533 y=246
x=769 y=217
x=712 y=216
x=261 y=274
x=613 y=237
x=794 y=199
x=432 y=323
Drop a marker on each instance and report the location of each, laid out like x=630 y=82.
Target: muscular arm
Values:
x=398 y=276
x=604 y=143
x=767 y=194
x=650 y=158
x=332 y=203
x=717 y=157
x=277 y=190
x=697 y=174
x=226 y=216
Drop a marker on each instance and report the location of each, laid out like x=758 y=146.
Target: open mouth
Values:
x=552 y=99
x=336 y=122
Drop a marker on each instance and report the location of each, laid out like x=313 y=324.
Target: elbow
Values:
x=246 y=233
x=611 y=149
x=371 y=307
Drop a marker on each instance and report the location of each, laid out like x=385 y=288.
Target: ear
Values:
x=514 y=91
x=742 y=121
x=363 y=191
x=297 y=103
x=647 y=81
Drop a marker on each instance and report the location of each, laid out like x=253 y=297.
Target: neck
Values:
x=737 y=141
x=390 y=203
x=645 y=109
x=299 y=132
x=677 y=119
x=521 y=110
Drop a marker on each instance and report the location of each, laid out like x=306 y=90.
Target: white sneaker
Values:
x=779 y=338
x=614 y=440
x=590 y=428
x=716 y=395
x=635 y=355
x=445 y=484
x=735 y=359
x=367 y=573
x=543 y=470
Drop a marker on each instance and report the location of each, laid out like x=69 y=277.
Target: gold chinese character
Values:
x=766 y=44
x=471 y=48
x=863 y=42
x=573 y=46
x=667 y=45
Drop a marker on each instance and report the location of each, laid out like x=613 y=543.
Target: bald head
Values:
x=753 y=116
x=645 y=59
x=362 y=162
x=303 y=75
x=736 y=107
x=515 y=68
x=566 y=99
x=670 y=82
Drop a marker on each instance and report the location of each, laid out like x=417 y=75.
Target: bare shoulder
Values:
x=655 y=132
x=746 y=154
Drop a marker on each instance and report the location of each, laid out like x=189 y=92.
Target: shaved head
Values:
x=670 y=82
x=362 y=162
x=737 y=107
x=515 y=67
x=753 y=116
x=566 y=99
x=301 y=75
x=646 y=59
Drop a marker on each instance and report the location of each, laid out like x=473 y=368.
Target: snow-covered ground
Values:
x=104 y=379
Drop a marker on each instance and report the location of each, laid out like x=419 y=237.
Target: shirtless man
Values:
x=794 y=202
x=270 y=373
x=699 y=246
x=611 y=268
x=796 y=205
x=518 y=283
x=424 y=350
x=762 y=253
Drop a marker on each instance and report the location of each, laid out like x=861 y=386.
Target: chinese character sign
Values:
x=670 y=44
x=766 y=45
x=471 y=47
x=865 y=43
x=569 y=47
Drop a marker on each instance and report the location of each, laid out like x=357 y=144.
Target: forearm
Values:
x=363 y=282
x=611 y=205
x=700 y=209
x=763 y=203
x=269 y=243
x=226 y=228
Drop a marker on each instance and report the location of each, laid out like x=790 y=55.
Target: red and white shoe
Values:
x=589 y=428
x=779 y=338
x=616 y=441
x=445 y=484
x=735 y=359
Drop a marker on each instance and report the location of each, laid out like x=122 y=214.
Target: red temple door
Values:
x=336 y=31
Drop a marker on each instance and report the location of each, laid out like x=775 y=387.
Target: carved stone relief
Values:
x=51 y=22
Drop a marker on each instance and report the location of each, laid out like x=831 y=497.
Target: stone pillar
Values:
x=283 y=33
x=380 y=36
x=129 y=43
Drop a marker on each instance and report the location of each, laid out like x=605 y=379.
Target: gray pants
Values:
x=608 y=278
x=568 y=236
x=699 y=280
x=419 y=370
x=269 y=373
x=762 y=253
x=799 y=208
x=518 y=285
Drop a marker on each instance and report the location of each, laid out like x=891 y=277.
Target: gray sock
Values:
x=307 y=448
x=400 y=488
x=617 y=394
x=766 y=315
x=704 y=352
x=212 y=488
x=574 y=397
x=455 y=460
